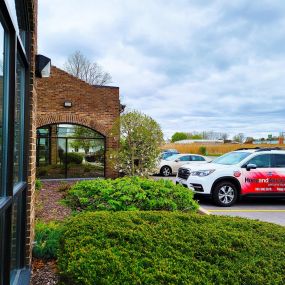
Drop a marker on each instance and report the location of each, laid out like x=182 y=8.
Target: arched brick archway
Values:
x=110 y=141
x=72 y=119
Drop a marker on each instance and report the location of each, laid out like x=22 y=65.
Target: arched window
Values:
x=69 y=151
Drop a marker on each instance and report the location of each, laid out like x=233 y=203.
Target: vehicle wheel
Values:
x=225 y=194
x=165 y=171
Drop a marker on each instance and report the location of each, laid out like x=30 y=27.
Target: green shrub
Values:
x=88 y=168
x=127 y=194
x=203 y=150
x=46 y=240
x=170 y=248
x=38 y=184
x=73 y=157
x=42 y=170
x=63 y=186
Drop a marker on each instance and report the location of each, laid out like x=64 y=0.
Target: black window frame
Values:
x=15 y=48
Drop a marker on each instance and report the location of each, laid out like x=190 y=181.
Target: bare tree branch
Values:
x=91 y=72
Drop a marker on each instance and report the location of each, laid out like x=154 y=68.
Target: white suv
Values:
x=252 y=172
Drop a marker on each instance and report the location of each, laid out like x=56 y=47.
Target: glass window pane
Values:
x=18 y=17
x=19 y=122
x=69 y=151
x=2 y=64
x=279 y=160
x=261 y=161
x=13 y=11
x=15 y=235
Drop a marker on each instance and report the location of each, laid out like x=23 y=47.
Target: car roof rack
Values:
x=247 y=148
x=270 y=148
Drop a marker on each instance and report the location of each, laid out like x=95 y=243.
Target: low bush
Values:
x=127 y=194
x=203 y=150
x=42 y=170
x=46 y=240
x=63 y=186
x=73 y=157
x=38 y=184
x=170 y=248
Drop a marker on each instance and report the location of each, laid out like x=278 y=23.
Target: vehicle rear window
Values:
x=185 y=158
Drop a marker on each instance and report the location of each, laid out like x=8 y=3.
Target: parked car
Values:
x=167 y=153
x=171 y=164
x=245 y=172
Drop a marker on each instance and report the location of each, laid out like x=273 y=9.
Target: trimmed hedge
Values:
x=46 y=240
x=128 y=194
x=73 y=157
x=170 y=248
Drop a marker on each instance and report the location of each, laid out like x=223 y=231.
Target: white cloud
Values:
x=192 y=65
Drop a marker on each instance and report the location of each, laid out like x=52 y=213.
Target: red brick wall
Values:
x=94 y=107
x=32 y=134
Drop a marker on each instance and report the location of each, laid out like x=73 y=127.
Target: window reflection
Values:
x=2 y=56
x=18 y=127
x=69 y=151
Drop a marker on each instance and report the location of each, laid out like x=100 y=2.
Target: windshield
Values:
x=231 y=158
x=172 y=157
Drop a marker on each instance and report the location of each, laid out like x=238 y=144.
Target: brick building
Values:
x=18 y=25
x=22 y=111
x=64 y=101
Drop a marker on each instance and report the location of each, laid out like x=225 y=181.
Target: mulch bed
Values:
x=49 y=208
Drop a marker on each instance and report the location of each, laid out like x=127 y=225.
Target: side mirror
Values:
x=176 y=160
x=251 y=166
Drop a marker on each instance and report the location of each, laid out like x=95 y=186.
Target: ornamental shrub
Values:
x=46 y=240
x=130 y=193
x=203 y=150
x=170 y=248
x=73 y=157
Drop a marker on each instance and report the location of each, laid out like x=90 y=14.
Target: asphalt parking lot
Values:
x=267 y=210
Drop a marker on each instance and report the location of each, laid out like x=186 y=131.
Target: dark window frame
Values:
x=14 y=47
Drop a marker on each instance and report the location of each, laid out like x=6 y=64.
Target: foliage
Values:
x=38 y=184
x=91 y=72
x=179 y=136
x=73 y=157
x=98 y=156
x=42 y=170
x=196 y=137
x=141 y=138
x=203 y=150
x=46 y=240
x=63 y=186
x=78 y=142
x=239 y=137
x=170 y=248
x=128 y=194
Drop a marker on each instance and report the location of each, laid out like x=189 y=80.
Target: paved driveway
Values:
x=267 y=210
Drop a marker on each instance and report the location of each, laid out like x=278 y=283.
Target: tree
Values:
x=140 y=141
x=224 y=136
x=91 y=72
x=239 y=137
x=178 y=136
x=82 y=139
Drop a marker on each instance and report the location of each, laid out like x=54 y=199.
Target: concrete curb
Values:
x=203 y=211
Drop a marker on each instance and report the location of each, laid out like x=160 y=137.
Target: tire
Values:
x=225 y=194
x=165 y=171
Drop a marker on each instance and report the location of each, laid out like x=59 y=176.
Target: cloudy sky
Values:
x=190 y=64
